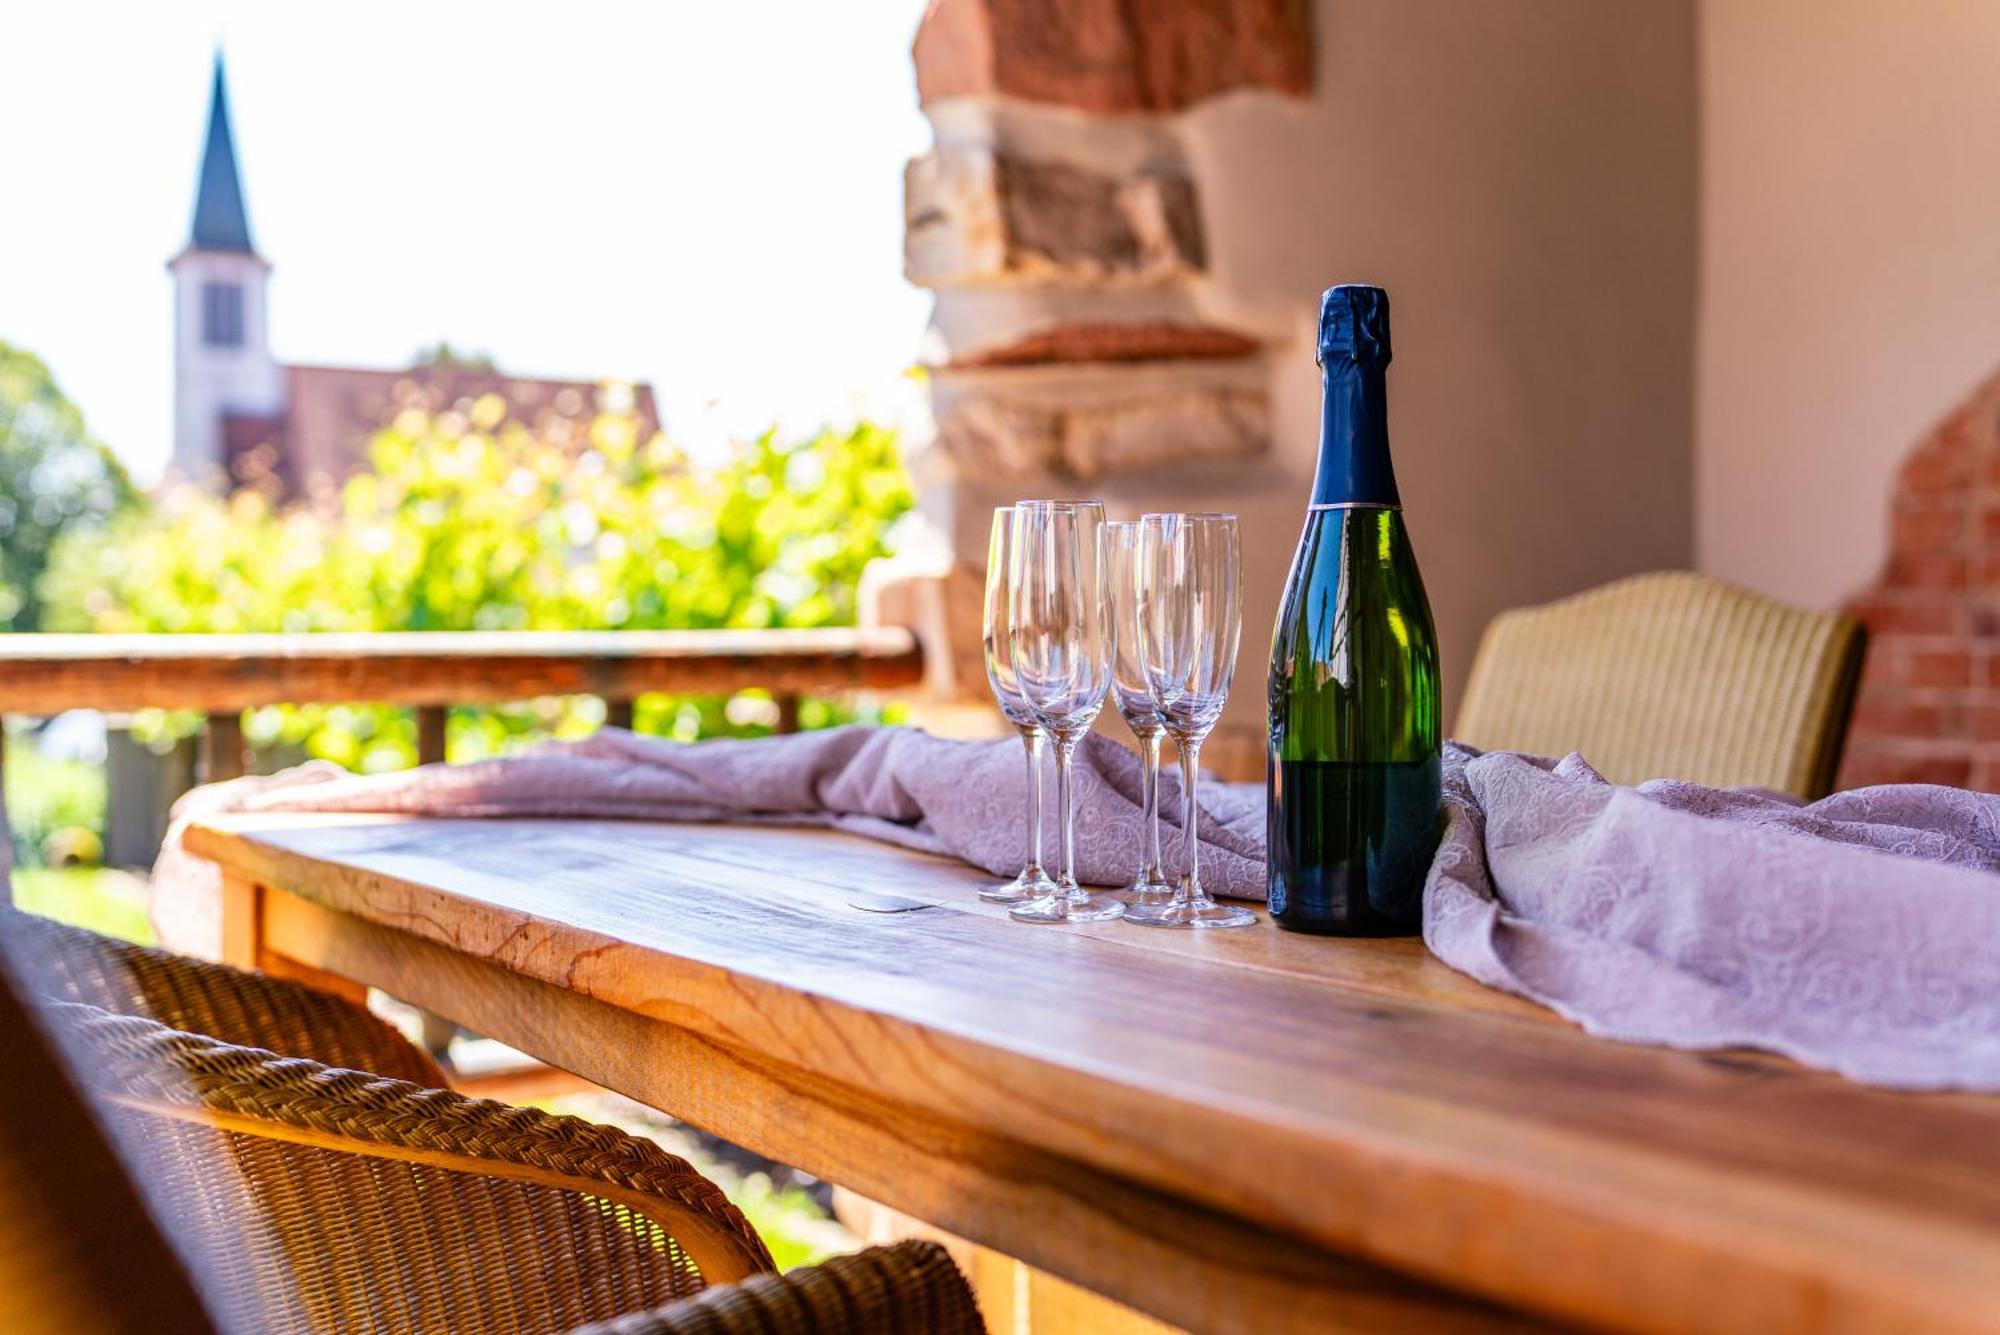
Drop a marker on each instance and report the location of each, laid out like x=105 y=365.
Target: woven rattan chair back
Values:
x=320 y=1200
x=1670 y=675
x=247 y=1009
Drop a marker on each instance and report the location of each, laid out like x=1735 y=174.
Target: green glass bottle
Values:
x=1355 y=740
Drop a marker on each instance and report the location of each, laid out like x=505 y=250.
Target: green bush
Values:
x=475 y=521
x=48 y=800
x=54 y=478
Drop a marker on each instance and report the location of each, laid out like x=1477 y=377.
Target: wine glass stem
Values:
x=1031 y=741
x=1189 y=890
x=1066 y=870
x=1149 y=798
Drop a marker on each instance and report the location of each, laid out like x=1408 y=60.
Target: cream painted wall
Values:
x=1850 y=273
x=1521 y=177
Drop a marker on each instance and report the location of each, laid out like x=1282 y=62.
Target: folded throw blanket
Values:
x=1860 y=934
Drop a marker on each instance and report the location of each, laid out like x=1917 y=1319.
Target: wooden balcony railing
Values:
x=223 y=675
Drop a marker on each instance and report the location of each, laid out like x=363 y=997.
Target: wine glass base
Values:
x=1070 y=906
x=1191 y=915
x=1144 y=891
x=1030 y=884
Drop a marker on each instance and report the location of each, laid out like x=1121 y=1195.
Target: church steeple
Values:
x=220 y=222
x=223 y=367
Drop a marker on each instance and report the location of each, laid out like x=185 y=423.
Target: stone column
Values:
x=1058 y=223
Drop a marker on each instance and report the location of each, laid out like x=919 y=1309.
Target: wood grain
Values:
x=1014 y=1084
x=1204 y=1270
x=45 y=674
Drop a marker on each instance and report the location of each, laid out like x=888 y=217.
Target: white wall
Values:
x=1850 y=271
x=209 y=381
x=1520 y=174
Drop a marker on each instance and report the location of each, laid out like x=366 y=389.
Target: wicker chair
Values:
x=309 y=1198
x=248 y=1009
x=1670 y=675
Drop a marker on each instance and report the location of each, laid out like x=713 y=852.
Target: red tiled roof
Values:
x=332 y=412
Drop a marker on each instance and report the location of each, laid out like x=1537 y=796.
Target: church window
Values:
x=222 y=315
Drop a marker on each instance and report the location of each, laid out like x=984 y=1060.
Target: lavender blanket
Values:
x=965 y=799
x=1860 y=934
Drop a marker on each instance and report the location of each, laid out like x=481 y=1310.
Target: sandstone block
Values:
x=1217 y=423
x=1088 y=422
x=975 y=215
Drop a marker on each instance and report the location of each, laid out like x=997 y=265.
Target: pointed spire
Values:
x=219 y=220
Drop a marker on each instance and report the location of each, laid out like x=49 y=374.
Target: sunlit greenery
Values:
x=103 y=899
x=55 y=807
x=476 y=522
x=53 y=478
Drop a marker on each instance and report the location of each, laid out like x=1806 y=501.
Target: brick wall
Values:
x=1929 y=708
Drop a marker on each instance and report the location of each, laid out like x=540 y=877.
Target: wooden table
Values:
x=1247 y=1131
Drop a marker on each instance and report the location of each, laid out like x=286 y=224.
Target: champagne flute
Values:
x=1134 y=699
x=1033 y=881
x=1062 y=662
x=1190 y=620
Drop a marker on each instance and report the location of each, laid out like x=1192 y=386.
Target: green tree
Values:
x=473 y=521
x=54 y=478
x=442 y=353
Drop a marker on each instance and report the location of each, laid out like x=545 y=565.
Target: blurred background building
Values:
x=242 y=418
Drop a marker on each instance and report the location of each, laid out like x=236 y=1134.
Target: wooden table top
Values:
x=1356 y=1096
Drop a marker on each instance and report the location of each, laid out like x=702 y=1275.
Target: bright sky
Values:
x=704 y=195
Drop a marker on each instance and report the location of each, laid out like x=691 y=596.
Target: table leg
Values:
x=242 y=920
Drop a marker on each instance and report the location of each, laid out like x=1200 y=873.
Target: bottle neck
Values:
x=1354 y=438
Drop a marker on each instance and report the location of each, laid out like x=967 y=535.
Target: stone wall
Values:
x=1060 y=226
x=1929 y=706
x=1127 y=260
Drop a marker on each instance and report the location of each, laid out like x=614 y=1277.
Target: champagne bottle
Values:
x=1354 y=771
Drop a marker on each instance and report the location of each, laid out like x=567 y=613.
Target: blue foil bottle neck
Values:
x=1354 y=468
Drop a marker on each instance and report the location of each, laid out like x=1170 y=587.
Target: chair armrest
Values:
x=910 y=1288
x=249 y=1009
x=388 y=1197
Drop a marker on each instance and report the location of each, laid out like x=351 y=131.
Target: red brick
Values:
x=1982 y=618
x=1927 y=527
x=1938 y=667
x=1889 y=713
x=1918 y=613
x=1866 y=766
x=1928 y=570
x=1982 y=721
x=1938 y=467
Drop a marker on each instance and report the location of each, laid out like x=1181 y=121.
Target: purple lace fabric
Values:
x=1860 y=934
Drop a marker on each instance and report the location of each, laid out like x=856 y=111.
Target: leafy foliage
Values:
x=474 y=521
x=53 y=478
x=442 y=353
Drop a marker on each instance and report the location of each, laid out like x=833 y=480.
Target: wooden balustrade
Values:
x=223 y=675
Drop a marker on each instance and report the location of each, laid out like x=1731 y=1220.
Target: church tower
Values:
x=223 y=366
